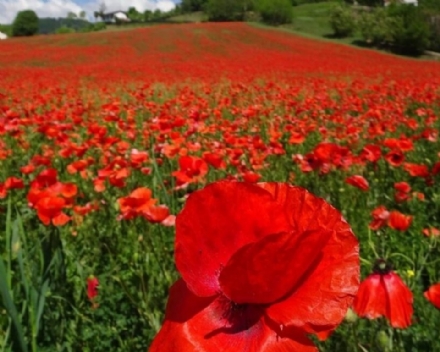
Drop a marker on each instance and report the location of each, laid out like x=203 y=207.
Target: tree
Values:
x=82 y=15
x=71 y=14
x=342 y=21
x=25 y=24
x=275 y=11
x=134 y=15
x=225 y=10
x=148 y=15
x=193 y=5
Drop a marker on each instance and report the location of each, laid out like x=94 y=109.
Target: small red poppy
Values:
x=433 y=295
x=383 y=293
x=399 y=221
x=358 y=181
x=92 y=287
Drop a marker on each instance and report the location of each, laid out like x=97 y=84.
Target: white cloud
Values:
x=60 y=8
x=51 y=8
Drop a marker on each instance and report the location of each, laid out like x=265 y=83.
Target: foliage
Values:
x=275 y=11
x=434 y=28
x=411 y=31
x=342 y=21
x=50 y=25
x=94 y=27
x=226 y=10
x=64 y=30
x=25 y=24
x=371 y=3
x=7 y=29
x=193 y=5
x=433 y=5
x=376 y=27
x=134 y=15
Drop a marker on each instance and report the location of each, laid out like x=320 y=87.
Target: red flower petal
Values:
x=253 y=275
x=61 y=219
x=400 y=300
x=322 y=299
x=200 y=324
x=215 y=223
x=370 y=301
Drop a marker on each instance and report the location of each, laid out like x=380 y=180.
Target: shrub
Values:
x=64 y=30
x=99 y=26
x=6 y=29
x=434 y=25
x=25 y=24
x=225 y=10
x=275 y=11
x=342 y=21
x=376 y=27
x=411 y=31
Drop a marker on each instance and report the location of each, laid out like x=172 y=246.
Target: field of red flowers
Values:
x=104 y=137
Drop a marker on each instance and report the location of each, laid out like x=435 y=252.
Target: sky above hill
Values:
x=60 y=8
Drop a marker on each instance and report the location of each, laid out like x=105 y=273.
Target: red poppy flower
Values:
x=14 y=183
x=358 y=181
x=380 y=218
x=50 y=209
x=416 y=170
x=402 y=191
x=395 y=157
x=262 y=266
x=191 y=169
x=431 y=232
x=433 y=295
x=371 y=153
x=383 y=293
x=399 y=221
x=137 y=202
x=92 y=287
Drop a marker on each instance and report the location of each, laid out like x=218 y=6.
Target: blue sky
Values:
x=60 y=8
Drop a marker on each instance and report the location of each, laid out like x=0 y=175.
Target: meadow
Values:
x=95 y=126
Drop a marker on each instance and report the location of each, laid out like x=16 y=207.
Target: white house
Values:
x=116 y=16
x=3 y=36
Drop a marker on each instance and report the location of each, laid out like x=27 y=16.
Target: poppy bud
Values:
x=383 y=341
x=92 y=287
x=351 y=317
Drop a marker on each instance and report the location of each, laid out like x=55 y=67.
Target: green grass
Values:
x=313 y=18
x=198 y=16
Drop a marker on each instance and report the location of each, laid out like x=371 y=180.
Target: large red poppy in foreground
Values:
x=262 y=267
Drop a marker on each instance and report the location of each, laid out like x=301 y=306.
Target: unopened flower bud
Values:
x=383 y=341
x=350 y=316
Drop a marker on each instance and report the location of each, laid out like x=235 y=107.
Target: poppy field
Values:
x=269 y=192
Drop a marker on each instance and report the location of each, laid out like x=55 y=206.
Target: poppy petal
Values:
x=61 y=219
x=304 y=210
x=267 y=270
x=321 y=301
x=217 y=221
x=205 y=324
x=370 y=300
x=400 y=300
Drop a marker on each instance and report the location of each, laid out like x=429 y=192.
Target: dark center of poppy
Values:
x=239 y=317
x=382 y=267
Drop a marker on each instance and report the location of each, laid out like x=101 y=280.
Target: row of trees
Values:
x=27 y=23
x=271 y=11
x=401 y=27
